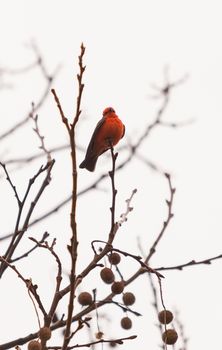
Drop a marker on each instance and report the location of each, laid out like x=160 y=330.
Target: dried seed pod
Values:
x=165 y=316
x=129 y=298
x=112 y=344
x=45 y=333
x=34 y=345
x=126 y=323
x=107 y=275
x=85 y=298
x=170 y=336
x=114 y=258
x=99 y=335
x=117 y=287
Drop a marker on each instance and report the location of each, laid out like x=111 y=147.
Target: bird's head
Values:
x=108 y=110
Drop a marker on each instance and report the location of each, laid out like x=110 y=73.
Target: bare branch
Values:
x=18 y=234
x=132 y=150
x=139 y=260
x=11 y=184
x=56 y=297
x=190 y=263
x=41 y=138
x=32 y=288
x=182 y=335
x=123 y=216
x=40 y=102
x=166 y=223
x=72 y=248
x=81 y=86
x=114 y=191
x=26 y=254
x=116 y=341
x=64 y=119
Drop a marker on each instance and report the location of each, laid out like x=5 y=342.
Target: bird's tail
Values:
x=89 y=163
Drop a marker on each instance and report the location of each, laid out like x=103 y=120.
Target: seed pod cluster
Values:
x=170 y=336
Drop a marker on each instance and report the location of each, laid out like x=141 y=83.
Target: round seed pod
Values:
x=129 y=298
x=126 y=323
x=107 y=275
x=170 y=336
x=85 y=298
x=34 y=345
x=117 y=287
x=99 y=335
x=165 y=316
x=114 y=258
x=45 y=333
x=112 y=344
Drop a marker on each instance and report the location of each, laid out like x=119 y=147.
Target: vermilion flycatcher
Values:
x=109 y=130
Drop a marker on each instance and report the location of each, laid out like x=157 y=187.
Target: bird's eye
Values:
x=111 y=110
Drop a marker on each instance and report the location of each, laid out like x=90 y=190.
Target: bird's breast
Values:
x=113 y=130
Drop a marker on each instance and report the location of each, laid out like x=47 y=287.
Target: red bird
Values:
x=109 y=129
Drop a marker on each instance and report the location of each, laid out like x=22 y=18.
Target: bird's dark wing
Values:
x=90 y=147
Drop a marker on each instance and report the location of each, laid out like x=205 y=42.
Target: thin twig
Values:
x=21 y=70
x=51 y=250
x=64 y=119
x=32 y=288
x=123 y=216
x=114 y=190
x=56 y=297
x=190 y=263
x=154 y=291
x=41 y=138
x=81 y=86
x=123 y=307
x=26 y=254
x=29 y=286
x=182 y=335
x=156 y=304
x=72 y=248
x=74 y=239
x=117 y=341
x=166 y=223
x=49 y=81
x=11 y=184
x=18 y=234
x=139 y=260
x=80 y=326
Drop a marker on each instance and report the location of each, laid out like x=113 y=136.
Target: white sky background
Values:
x=128 y=44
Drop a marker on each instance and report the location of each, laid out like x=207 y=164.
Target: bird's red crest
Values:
x=108 y=110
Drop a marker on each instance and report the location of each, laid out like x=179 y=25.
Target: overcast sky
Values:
x=129 y=44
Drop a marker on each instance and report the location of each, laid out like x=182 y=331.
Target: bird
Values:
x=108 y=132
